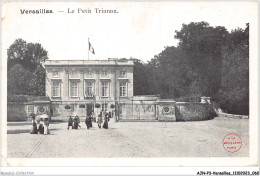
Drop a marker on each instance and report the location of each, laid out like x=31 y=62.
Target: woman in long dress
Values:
x=99 y=121
x=46 y=126
x=75 y=123
x=87 y=122
x=41 y=126
x=70 y=122
x=34 y=126
x=105 y=125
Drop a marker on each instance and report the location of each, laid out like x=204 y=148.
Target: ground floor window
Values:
x=105 y=88
x=104 y=106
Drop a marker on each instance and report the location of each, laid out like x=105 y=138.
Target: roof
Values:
x=27 y=98
x=120 y=62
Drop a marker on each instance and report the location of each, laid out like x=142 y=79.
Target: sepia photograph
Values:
x=129 y=83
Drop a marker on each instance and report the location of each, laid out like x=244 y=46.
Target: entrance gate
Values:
x=89 y=109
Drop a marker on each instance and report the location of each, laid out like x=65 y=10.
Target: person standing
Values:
x=46 y=125
x=34 y=126
x=90 y=120
x=41 y=127
x=75 y=123
x=99 y=121
x=78 y=120
x=87 y=122
x=105 y=125
x=70 y=123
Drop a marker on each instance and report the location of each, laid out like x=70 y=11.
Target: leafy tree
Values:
x=18 y=81
x=29 y=55
x=203 y=45
x=38 y=81
x=140 y=78
x=234 y=91
x=25 y=73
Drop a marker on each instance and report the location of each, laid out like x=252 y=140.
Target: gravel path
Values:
x=129 y=139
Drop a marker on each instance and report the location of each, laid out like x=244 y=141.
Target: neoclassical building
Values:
x=75 y=86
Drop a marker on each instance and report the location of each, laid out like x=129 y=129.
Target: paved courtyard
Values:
x=129 y=139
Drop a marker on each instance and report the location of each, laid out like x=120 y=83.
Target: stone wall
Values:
x=189 y=111
x=21 y=111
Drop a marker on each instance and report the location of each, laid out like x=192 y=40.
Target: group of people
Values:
x=101 y=120
x=41 y=126
x=74 y=123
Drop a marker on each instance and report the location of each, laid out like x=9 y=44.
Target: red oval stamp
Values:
x=232 y=142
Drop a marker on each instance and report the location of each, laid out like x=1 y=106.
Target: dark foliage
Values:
x=209 y=61
x=26 y=76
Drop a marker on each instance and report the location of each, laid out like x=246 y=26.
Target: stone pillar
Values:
x=166 y=110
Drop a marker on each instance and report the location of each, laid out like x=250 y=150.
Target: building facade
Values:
x=75 y=87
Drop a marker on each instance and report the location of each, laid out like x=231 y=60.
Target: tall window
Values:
x=56 y=89
x=89 y=89
x=104 y=89
x=122 y=89
x=74 y=89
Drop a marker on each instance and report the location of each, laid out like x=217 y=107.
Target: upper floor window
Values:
x=89 y=89
x=55 y=74
x=123 y=73
x=56 y=88
x=105 y=89
x=74 y=89
x=122 y=89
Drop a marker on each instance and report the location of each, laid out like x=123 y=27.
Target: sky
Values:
x=139 y=29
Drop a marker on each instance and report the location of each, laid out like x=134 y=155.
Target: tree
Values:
x=37 y=82
x=140 y=78
x=18 y=81
x=29 y=55
x=25 y=72
x=234 y=91
x=203 y=45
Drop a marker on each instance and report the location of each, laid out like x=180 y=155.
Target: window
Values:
x=89 y=89
x=104 y=89
x=104 y=106
x=55 y=74
x=30 y=109
x=74 y=89
x=56 y=89
x=123 y=73
x=122 y=89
